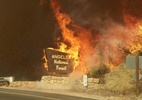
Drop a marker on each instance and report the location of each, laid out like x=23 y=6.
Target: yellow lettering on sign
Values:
x=61 y=68
x=60 y=57
x=60 y=62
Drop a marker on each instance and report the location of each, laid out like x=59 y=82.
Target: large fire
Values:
x=79 y=42
x=108 y=48
x=135 y=25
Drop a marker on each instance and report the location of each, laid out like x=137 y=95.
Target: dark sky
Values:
x=26 y=28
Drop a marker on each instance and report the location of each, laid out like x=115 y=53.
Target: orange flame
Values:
x=45 y=60
x=68 y=35
x=108 y=48
x=135 y=25
x=80 y=46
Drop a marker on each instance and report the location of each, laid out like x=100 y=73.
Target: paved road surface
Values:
x=13 y=94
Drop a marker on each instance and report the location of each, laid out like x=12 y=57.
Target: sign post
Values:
x=137 y=75
x=85 y=80
x=134 y=62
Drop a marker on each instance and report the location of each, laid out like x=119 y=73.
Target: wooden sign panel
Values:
x=59 y=62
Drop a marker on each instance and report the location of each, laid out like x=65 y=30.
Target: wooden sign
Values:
x=59 y=61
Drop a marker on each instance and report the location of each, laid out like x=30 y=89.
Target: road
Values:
x=14 y=94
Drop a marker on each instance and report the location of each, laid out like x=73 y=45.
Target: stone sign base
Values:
x=65 y=82
x=53 y=82
x=59 y=82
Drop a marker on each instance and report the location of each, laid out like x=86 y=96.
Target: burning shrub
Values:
x=98 y=72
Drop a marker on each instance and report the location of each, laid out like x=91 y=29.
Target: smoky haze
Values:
x=26 y=27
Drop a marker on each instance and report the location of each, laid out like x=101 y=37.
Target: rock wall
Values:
x=65 y=82
x=92 y=83
x=23 y=84
x=59 y=82
x=53 y=82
